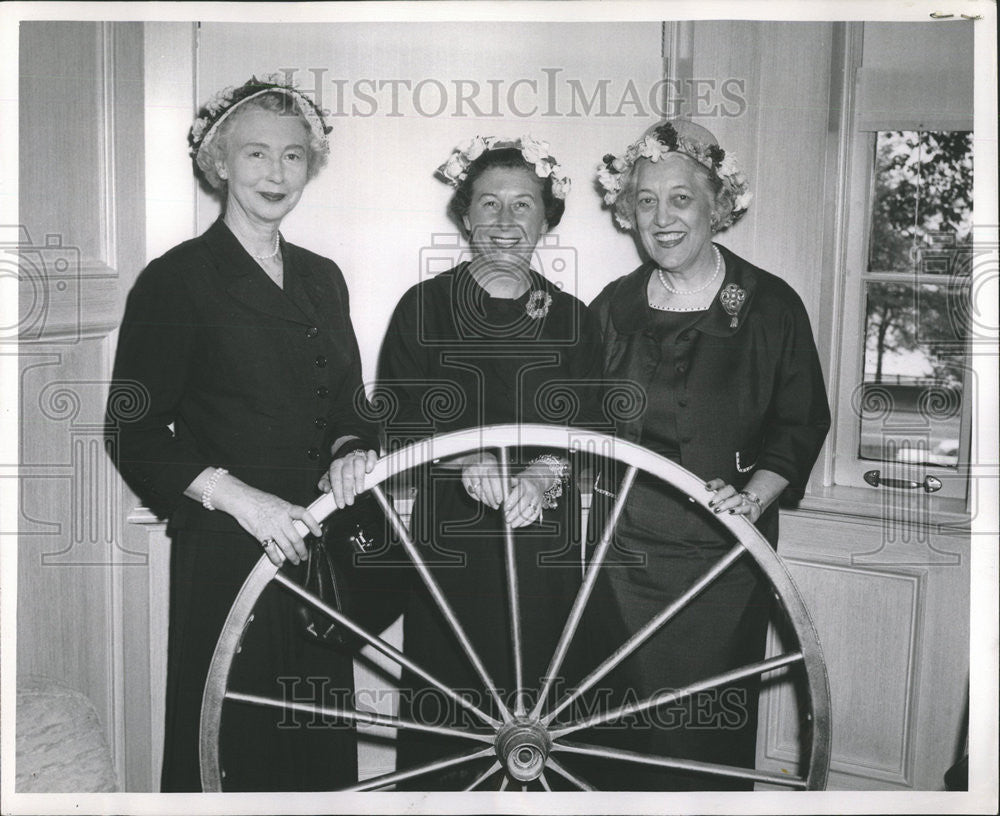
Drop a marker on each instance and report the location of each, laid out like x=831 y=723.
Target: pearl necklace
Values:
x=703 y=287
x=268 y=257
x=669 y=288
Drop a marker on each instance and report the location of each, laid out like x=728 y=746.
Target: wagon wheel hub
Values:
x=522 y=747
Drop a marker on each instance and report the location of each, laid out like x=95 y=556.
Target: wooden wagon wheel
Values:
x=527 y=742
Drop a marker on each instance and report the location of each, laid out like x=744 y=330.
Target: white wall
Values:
x=377 y=204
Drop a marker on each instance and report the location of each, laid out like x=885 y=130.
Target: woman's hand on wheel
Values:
x=728 y=499
x=481 y=479
x=523 y=504
x=346 y=477
x=287 y=543
x=268 y=518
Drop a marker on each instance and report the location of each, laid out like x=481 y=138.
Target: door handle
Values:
x=930 y=484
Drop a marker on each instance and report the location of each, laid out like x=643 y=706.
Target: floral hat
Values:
x=215 y=111
x=679 y=136
x=535 y=152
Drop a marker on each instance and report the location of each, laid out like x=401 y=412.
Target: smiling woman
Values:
x=725 y=355
x=244 y=347
x=498 y=337
x=506 y=216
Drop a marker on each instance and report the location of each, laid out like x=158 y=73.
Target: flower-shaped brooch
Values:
x=538 y=304
x=732 y=298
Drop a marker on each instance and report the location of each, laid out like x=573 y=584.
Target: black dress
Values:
x=725 y=396
x=455 y=357
x=261 y=381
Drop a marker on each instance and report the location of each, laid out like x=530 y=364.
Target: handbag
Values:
x=351 y=569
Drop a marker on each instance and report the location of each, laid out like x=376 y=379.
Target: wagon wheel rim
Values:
x=526 y=744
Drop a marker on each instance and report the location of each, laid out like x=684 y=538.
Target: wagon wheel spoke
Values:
x=505 y=783
x=475 y=783
x=576 y=613
x=681 y=764
x=723 y=679
x=435 y=590
x=356 y=716
x=385 y=648
x=552 y=763
x=513 y=600
x=544 y=781
x=383 y=780
x=647 y=631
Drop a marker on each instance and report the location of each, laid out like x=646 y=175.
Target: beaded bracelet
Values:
x=209 y=489
x=560 y=472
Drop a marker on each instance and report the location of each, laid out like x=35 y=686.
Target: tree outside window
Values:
x=918 y=277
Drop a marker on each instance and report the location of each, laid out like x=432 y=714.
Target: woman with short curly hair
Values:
x=734 y=391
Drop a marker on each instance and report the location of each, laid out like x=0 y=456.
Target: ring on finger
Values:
x=267 y=542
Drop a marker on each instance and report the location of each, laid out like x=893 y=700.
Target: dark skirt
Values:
x=463 y=542
x=262 y=749
x=721 y=629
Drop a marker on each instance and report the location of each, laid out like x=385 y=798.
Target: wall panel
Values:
x=80 y=189
x=893 y=620
x=779 y=135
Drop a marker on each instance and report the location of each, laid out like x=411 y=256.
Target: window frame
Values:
x=837 y=483
x=849 y=468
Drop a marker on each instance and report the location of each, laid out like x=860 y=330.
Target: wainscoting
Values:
x=891 y=605
x=80 y=243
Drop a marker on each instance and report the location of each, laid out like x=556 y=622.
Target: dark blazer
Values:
x=753 y=394
x=253 y=378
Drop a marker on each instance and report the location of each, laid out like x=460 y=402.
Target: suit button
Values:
x=682 y=402
x=686 y=439
x=320 y=361
x=320 y=422
x=322 y=392
x=313 y=453
x=681 y=368
x=311 y=332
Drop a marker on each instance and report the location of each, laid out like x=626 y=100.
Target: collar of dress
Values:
x=234 y=261
x=631 y=312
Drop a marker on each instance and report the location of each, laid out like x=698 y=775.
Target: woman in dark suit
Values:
x=725 y=355
x=243 y=344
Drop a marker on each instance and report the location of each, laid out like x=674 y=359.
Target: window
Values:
x=901 y=327
x=908 y=288
x=915 y=287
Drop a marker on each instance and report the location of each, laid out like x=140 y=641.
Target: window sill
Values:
x=944 y=515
